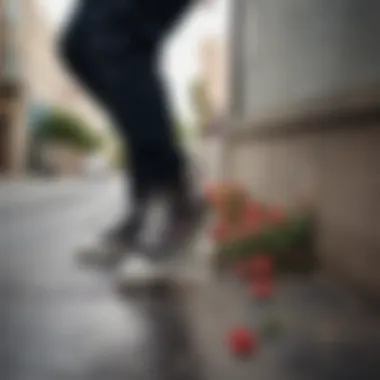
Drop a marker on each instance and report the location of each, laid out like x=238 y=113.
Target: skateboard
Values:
x=185 y=267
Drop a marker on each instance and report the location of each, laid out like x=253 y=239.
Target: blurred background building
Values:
x=210 y=94
x=12 y=131
x=211 y=91
x=46 y=80
x=32 y=82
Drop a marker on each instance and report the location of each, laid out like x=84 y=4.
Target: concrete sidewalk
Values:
x=60 y=320
x=29 y=191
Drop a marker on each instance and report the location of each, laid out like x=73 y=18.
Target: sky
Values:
x=180 y=63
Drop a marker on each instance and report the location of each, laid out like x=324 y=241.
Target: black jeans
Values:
x=112 y=47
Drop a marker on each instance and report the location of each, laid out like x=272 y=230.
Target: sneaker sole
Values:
x=100 y=258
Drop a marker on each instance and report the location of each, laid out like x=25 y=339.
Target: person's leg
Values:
x=137 y=92
x=114 y=52
x=78 y=59
x=106 y=37
x=122 y=48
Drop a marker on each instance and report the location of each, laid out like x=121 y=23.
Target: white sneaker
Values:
x=139 y=271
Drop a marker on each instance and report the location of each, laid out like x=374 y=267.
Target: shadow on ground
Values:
x=326 y=334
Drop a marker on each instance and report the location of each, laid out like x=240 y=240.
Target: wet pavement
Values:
x=60 y=321
x=324 y=332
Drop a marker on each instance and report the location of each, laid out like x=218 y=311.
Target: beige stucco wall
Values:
x=308 y=90
x=45 y=78
x=19 y=138
x=38 y=77
x=340 y=170
x=213 y=56
x=12 y=98
x=213 y=62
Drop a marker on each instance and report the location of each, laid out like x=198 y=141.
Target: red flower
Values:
x=262 y=289
x=220 y=232
x=256 y=267
x=253 y=213
x=252 y=219
x=242 y=269
x=246 y=227
x=242 y=341
x=276 y=215
x=261 y=266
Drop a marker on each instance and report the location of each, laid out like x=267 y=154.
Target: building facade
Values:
x=32 y=79
x=12 y=136
x=212 y=97
x=305 y=99
x=45 y=78
x=213 y=61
